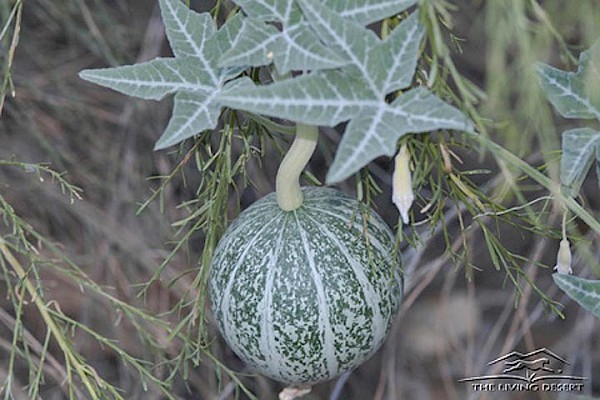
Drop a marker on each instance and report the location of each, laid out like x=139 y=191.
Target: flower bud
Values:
x=563 y=259
x=402 y=193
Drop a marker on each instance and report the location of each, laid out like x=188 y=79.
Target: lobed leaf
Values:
x=565 y=92
x=195 y=112
x=153 y=79
x=579 y=147
x=300 y=49
x=394 y=61
x=193 y=75
x=598 y=164
x=192 y=113
x=356 y=92
x=256 y=41
x=584 y=291
x=385 y=66
x=574 y=94
x=225 y=37
x=371 y=134
x=348 y=39
x=188 y=32
x=423 y=111
x=361 y=11
x=285 y=11
x=367 y=11
x=321 y=98
x=295 y=48
x=358 y=71
x=376 y=131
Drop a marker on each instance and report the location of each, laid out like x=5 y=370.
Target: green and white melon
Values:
x=304 y=295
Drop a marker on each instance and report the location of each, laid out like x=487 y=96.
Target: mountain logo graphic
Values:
x=538 y=365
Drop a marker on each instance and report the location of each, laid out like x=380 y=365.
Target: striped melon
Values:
x=304 y=295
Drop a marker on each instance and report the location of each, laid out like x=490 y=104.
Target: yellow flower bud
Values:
x=563 y=259
x=402 y=192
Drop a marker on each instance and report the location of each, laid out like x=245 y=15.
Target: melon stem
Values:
x=287 y=182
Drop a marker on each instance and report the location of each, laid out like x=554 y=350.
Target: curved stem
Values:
x=287 y=183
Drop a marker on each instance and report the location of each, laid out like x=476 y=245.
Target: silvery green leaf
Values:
x=295 y=48
x=299 y=49
x=222 y=41
x=254 y=46
x=394 y=61
x=347 y=38
x=422 y=112
x=241 y=83
x=193 y=74
x=589 y=70
x=192 y=113
x=195 y=112
x=321 y=98
x=565 y=92
x=153 y=79
x=228 y=73
x=188 y=32
x=355 y=92
x=227 y=34
x=579 y=147
x=371 y=134
x=367 y=11
x=598 y=164
x=584 y=291
x=574 y=94
x=361 y=11
x=375 y=131
x=285 y=11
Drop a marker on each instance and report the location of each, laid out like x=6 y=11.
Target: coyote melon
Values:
x=304 y=295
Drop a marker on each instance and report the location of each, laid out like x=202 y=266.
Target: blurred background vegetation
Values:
x=103 y=240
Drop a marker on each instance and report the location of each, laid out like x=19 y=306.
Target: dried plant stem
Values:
x=48 y=320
